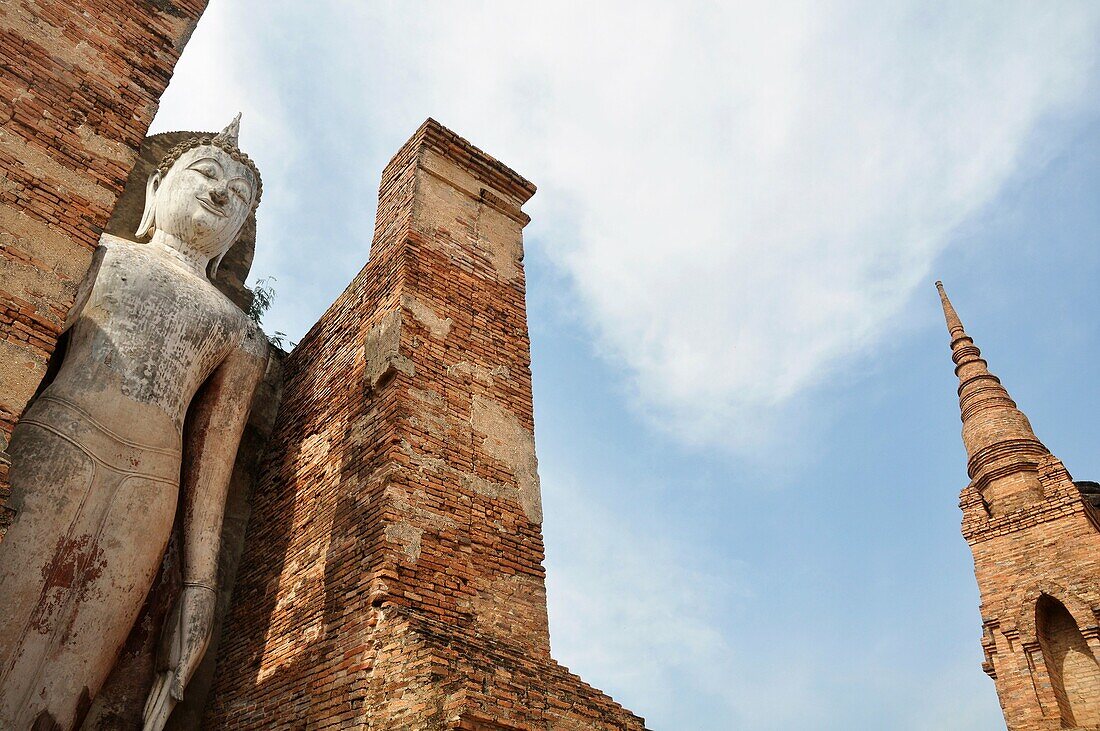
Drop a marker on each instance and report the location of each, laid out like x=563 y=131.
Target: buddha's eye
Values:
x=207 y=168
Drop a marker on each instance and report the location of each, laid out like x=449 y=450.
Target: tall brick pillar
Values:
x=1035 y=536
x=79 y=83
x=392 y=575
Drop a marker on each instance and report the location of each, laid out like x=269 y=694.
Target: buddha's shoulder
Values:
x=110 y=245
x=117 y=250
x=252 y=340
x=113 y=241
x=249 y=336
x=122 y=255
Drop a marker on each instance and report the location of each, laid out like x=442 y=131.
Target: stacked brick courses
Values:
x=1051 y=549
x=393 y=574
x=1036 y=545
x=439 y=676
x=79 y=83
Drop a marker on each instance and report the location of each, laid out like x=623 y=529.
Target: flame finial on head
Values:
x=231 y=133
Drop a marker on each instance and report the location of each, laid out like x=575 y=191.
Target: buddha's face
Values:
x=204 y=199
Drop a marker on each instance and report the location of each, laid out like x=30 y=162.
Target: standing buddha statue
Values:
x=147 y=409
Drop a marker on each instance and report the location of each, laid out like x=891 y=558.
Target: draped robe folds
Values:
x=96 y=474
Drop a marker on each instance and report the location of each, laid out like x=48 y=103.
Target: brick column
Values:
x=392 y=575
x=462 y=532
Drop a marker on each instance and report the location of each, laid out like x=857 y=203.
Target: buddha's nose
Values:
x=219 y=195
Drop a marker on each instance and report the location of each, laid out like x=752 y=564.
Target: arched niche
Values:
x=1026 y=599
x=1071 y=664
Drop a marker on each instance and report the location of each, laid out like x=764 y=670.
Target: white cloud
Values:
x=640 y=620
x=757 y=189
x=751 y=191
x=210 y=85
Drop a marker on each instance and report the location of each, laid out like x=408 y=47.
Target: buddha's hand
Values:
x=187 y=634
x=183 y=643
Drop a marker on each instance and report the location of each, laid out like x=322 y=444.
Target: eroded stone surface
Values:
x=507 y=440
x=483 y=373
x=382 y=351
x=408 y=536
x=437 y=326
x=99 y=458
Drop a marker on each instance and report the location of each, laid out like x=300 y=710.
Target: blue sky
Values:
x=745 y=410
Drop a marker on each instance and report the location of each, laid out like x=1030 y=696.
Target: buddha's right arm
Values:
x=84 y=291
x=216 y=422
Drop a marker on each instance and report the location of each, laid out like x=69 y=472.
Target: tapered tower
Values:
x=1035 y=536
x=392 y=577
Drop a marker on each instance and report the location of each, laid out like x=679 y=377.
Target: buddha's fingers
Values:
x=151 y=706
x=162 y=704
x=151 y=699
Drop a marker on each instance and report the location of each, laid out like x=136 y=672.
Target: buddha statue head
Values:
x=201 y=194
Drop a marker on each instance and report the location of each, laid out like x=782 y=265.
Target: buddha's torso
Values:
x=151 y=332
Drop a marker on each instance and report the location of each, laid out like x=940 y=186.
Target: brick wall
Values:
x=1045 y=551
x=433 y=675
x=79 y=83
x=393 y=564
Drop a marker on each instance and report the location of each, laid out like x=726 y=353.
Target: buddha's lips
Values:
x=209 y=205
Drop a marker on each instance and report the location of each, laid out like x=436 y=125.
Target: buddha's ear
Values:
x=215 y=263
x=149 y=216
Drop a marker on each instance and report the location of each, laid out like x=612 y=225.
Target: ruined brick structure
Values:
x=79 y=84
x=1035 y=536
x=392 y=571
x=393 y=574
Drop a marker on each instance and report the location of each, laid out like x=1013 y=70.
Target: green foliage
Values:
x=263 y=294
x=280 y=341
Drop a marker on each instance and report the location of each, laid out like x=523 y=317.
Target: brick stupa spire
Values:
x=1036 y=546
x=1001 y=447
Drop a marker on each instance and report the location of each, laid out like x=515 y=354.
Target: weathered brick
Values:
x=394 y=576
x=1035 y=536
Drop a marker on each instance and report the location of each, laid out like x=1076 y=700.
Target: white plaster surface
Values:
x=101 y=457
